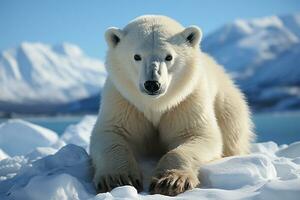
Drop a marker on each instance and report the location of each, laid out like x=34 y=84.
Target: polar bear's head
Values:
x=152 y=55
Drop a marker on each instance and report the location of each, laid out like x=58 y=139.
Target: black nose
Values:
x=152 y=86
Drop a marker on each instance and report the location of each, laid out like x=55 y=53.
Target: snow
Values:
x=80 y=133
x=250 y=169
x=62 y=169
x=62 y=187
x=263 y=56
x=278 y=189
x=55 y=175
x=290 y=152
x=3 y=154
x=25 y=135
x=47 y=75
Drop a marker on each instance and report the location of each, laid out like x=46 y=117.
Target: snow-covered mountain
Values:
x=263 y=55
x=37 y=78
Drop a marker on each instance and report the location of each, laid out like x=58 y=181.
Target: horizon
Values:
x=55 y=22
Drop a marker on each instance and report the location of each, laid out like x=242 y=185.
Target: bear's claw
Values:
x=173 y=182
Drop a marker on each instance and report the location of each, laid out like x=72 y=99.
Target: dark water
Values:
x=281 y=128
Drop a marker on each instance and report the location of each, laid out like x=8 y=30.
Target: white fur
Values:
x=200 y=117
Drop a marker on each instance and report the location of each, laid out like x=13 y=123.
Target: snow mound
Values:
x=80 y=133
x=62 y=187
x=250 y=170
x=51 y=172
x=9 y=167
x=278 y=189
x=18 y=137
x=64 y=173
x=3 y=154
x=124 y=192
x=292 y=151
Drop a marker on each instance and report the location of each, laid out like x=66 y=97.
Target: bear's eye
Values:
x=168 y=58
x=137 y=57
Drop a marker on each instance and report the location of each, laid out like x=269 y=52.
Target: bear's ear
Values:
x=113 y=36
x=192 y=35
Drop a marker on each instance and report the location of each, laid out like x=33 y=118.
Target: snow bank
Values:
x=250 y=170
x=3 y=154
x=64 y=175
x=52 y=172
x=292 y=151
x=10 y=167
x=62 y=187
x=80 y=133
x=18 y=137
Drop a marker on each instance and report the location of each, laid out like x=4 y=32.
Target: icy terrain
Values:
x=263 y=55
x=36 y=164
x=39 y=78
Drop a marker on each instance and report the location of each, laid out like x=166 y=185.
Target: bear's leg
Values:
x=114 y=162
x=234 y=120
x=177 y=171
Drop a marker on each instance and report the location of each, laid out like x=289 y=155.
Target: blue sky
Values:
x=84 y=22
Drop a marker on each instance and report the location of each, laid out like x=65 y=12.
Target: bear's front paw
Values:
x=106 y=183
x=173 y=182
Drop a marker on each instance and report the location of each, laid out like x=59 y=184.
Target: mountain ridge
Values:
x=263 y=56
x=37 y=75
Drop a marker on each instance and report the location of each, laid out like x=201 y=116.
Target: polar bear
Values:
x=164 y=97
